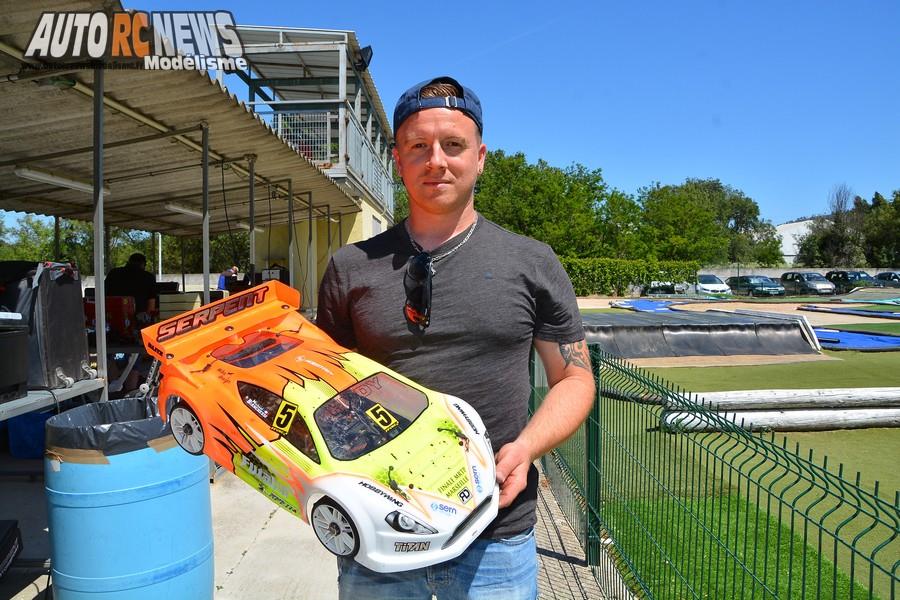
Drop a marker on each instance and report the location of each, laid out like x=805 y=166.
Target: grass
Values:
x=893 y=328
x=748 y=553
x=853 y=448
x=855 y=369
x=654 y=491
x=668 y=493
x=892 y=308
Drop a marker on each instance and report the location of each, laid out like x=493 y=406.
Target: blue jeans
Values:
x=503 y=569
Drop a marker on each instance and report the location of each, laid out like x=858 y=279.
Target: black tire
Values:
x=187 y=428
x=334 y=528
x=750 y=293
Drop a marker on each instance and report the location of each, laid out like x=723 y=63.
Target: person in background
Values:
x=134 y=280
x=456 y=303
x=229 y=274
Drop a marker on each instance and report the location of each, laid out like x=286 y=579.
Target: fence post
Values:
x=594 y=450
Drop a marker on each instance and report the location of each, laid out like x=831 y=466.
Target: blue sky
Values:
x=782 y=100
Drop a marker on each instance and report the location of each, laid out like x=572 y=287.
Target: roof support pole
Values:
x=251 y=164
x=291 y=232
x=183 y=280
x=159 y=270
x=205 y=242
x=342 y=107
x=310 y=252
x=340 y=229
x=99 y=230
x=57 y=254
x=328 y=221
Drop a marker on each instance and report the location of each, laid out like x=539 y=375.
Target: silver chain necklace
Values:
x=434 y=259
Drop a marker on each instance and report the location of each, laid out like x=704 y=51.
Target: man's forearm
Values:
x=562 y=411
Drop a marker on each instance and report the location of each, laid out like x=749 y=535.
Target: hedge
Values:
x=615 y=276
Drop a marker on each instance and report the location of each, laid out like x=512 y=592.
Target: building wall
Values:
x=353 y=228
x=790 y=233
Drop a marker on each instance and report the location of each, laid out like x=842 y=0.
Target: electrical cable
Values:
x=234 y=251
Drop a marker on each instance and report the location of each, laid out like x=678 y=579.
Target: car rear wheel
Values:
x=334 y=528
x=187 y=429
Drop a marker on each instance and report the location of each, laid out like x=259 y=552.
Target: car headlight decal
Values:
x=404 y=523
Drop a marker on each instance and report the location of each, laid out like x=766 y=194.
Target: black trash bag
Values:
x=113 y=427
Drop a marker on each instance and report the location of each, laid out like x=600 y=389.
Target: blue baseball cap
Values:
x=411 y=102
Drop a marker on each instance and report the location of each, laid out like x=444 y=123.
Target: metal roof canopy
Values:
x=48 y=128
x=302 y=65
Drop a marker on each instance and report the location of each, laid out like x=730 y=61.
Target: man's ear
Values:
x=397 y=163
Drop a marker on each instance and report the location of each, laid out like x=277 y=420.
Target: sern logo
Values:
x=162 y=40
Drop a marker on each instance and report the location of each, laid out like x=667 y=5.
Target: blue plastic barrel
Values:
x=129 y=510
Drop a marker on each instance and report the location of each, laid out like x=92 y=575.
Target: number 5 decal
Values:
x=284 y=417
x=382 y=417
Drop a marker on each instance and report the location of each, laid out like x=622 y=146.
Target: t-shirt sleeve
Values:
x=333 y=312
x=557 y=316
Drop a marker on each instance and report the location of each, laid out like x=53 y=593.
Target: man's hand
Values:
x=513 y=462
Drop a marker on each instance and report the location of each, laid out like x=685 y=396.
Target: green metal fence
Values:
x=665 y=510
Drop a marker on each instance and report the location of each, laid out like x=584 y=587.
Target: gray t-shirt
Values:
x=490 y=299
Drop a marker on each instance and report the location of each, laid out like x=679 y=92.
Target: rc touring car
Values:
x=386 y=471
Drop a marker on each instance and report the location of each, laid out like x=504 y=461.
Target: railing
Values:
x=366 y=163
x=315 y=135
x=665 y=512
x=310 y=133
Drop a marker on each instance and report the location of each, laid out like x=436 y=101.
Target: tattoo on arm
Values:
x=576 y=354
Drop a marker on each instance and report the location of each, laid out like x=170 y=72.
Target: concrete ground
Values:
x=263 y=552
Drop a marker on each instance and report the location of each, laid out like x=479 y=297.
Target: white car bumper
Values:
x=391 y=551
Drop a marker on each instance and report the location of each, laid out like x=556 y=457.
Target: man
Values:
x=229 y=274
x=455 y=302
x=133 y=280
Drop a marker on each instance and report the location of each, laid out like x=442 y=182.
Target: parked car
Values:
x=754 y=285
x=844 y=281
x=386 y=471
x=665 y=287
x=710 y=284
x=889 y=278
x=796 y=282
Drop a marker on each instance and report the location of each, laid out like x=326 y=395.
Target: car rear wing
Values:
x=190 y=332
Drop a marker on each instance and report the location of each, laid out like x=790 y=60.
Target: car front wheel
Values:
x=187 y=429
x=334 y=528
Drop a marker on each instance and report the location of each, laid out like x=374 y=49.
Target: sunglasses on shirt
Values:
x=417 y=283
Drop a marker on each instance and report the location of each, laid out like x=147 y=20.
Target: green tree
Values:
x=766 y=250
x=706 y=220
x=556 y=206
x=680 y=223
x=835 y=240
x=619 y=226
x=31 y=238
x=881 y=231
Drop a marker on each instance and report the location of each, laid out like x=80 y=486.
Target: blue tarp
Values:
x=644 y=305
x=836 y=339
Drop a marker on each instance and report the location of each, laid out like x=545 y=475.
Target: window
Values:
x=279 y=414
x=301 y=439
x=376 y=226
x=367 y=415
x=256 y=349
